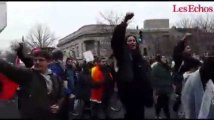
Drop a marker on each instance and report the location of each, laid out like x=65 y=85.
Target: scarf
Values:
x=48 y=80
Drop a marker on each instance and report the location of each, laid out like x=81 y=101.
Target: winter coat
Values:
x=192 y=94
x=162 y=79
x=183 y=63
x=98 y=77
x=133 y=76
x=70 y=77
x=207 y=105
x=84 y=85
x=177 y=54
x=189 y=63
x=58 y=69
x=36 y=102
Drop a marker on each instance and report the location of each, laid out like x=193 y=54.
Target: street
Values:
x=9 y=110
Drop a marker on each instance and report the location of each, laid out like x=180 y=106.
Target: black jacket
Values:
x=177 y=55
x=83 y=86
x=36 y=102
x=134 y=72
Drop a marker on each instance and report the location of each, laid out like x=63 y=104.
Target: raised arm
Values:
x=28 y=61
x=178 y=49
x=118 y=38
x=18 y=75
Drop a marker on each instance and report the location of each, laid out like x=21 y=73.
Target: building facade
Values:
x=97 y=39
x=159 y=40
x=156 y=24
x=3 y=16
x=89 y=37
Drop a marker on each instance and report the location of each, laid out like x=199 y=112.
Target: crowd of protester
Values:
x=51 y=88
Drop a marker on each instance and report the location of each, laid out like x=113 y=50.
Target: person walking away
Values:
x=99 y=93
x=83 y=89
x=162 y=85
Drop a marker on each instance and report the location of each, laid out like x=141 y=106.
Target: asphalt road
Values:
x=9 y=110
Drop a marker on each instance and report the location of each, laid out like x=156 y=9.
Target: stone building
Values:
x=89 y=37
x=156 y=24
x=97 y=39
x=155 y=40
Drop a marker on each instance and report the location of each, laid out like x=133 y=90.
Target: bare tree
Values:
x=14 y=44
x=204 y=23
x=185 y=23
x=109 y=18
x=40 y=36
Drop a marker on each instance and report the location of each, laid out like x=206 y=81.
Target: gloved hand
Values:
x=20 y=47
x=128 y=16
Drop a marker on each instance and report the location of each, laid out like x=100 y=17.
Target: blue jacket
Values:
x=58 y=69
x=71 y=78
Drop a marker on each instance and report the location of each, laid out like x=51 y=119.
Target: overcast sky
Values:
x=64 y=18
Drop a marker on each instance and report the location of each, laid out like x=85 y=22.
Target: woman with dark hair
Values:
x=197 y=94
x=133 y=82
x=184 y=61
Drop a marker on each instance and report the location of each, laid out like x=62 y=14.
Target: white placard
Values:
x=68 y=53
x=88 y=55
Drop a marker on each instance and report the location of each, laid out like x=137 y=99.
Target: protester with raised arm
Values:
x=133 y=76
x=44 y=92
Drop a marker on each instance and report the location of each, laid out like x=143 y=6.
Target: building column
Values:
x=80 y=49
x=83 y=46
x=96 y=48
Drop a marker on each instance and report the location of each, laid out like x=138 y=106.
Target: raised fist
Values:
x=19 y=47
x=128 y=16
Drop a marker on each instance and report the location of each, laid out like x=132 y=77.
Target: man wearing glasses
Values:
x=44 y=92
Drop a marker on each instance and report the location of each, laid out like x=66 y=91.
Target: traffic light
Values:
x=140 y=39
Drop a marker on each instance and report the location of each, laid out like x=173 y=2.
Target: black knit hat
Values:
x=57 y=54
